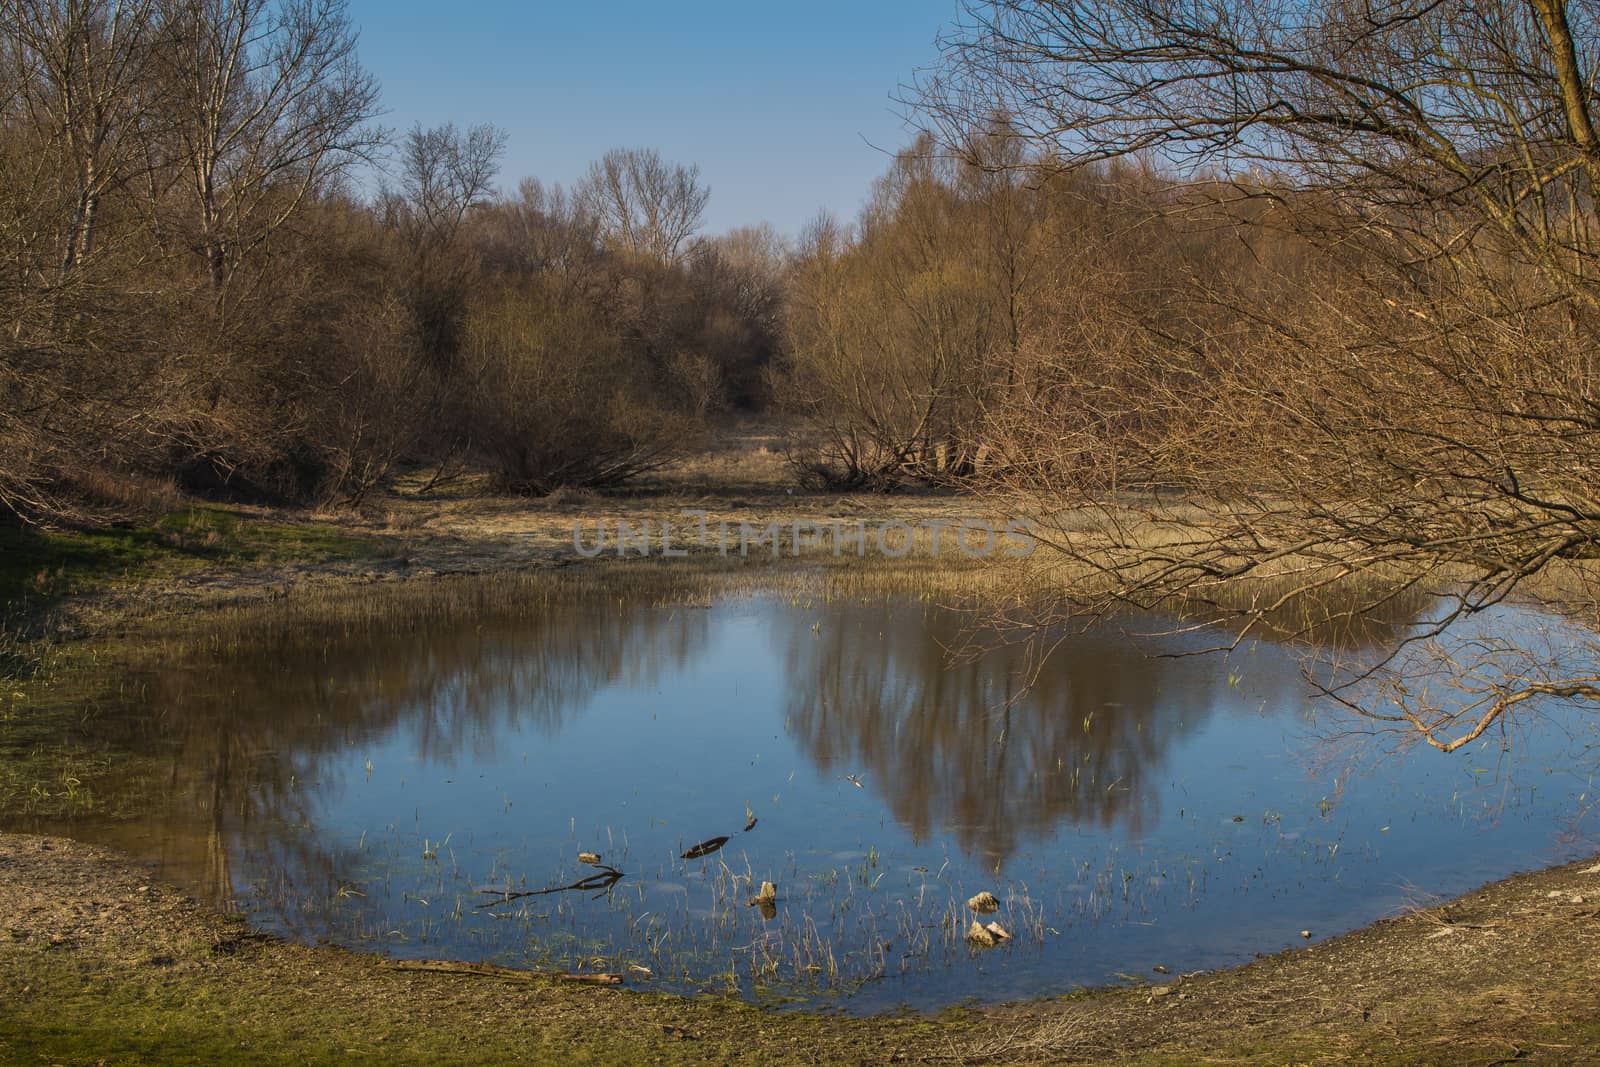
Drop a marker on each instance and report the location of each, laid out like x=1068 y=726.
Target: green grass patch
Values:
x=40 y=566
x=233 y=537
x=65 y=751
x=287 y=1006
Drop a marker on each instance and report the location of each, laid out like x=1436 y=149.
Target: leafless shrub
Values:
x=554 y=402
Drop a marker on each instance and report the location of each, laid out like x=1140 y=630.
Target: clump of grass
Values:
x=39 y=567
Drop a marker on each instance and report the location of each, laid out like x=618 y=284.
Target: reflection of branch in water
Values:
x=603 y=880
x=1449 y=688
x=706 y=848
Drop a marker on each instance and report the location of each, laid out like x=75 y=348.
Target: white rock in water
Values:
x=979 y=934
x=984 y=903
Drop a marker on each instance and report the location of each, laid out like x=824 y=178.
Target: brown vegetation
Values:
x=193 y=291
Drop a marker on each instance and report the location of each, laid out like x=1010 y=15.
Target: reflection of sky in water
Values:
x=1180 y=811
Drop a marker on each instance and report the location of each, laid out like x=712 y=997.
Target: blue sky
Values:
x=787 y=107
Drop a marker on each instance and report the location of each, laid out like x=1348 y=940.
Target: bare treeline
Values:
x=194 y=293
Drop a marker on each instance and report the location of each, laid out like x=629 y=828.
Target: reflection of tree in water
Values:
x=252 y=741
x=253 y=737
x=967 y=743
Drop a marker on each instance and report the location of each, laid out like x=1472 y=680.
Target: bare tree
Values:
x=445 y=173
x=646 y=205
x=269 y=103
x=554 y=400
x=77 y=375
x=81 y=67
x=1391 y=377
x=900 y=328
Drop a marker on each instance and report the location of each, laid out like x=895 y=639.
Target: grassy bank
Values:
x=39 y=567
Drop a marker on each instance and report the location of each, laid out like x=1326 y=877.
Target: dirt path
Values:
x=100 y=965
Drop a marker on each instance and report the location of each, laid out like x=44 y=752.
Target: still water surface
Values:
x=1128 y=810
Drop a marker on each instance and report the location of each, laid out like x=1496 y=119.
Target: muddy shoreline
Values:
x=99 y=963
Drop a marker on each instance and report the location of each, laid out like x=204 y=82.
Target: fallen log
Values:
x=489 y=970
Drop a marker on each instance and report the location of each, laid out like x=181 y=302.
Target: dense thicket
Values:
x=193 y=293
x=992 y=315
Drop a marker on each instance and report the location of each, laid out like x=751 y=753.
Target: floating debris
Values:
x=1000 y=932
x=984 y=903
x=591 y=858
x=705 y=848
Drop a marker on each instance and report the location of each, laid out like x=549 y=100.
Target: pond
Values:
x=420 y=791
